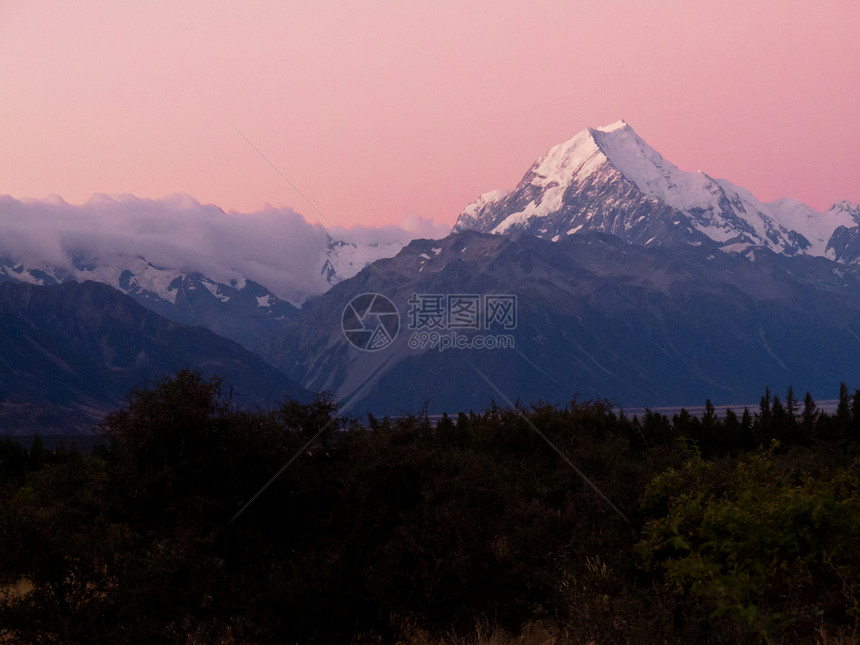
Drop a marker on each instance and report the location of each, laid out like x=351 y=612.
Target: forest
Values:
x=198 y=521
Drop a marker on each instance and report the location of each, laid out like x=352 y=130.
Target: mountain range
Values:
x=630 y=279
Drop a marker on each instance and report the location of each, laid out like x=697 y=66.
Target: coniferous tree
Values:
x=843 y=411
x=809 y=416
x=709 y=433
x=747 y=430
x=732 y=430
x=656 y=427
x=38 y=454
x=764 y=418
x=710 y=415
x=639 y=438
x=462 y=428
x=792 y=405
x=778 y=420
x=685 y=424
x=445 y=428
x=855 y=415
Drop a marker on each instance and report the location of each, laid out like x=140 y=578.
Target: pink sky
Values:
x=381 y=110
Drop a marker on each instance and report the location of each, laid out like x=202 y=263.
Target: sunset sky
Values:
x=377 y=111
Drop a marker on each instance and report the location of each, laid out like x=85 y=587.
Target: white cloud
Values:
x=422 y=227
x=275 y=247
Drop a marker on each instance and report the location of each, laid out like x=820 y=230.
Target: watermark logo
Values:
x=449 y=321
x=370 y=322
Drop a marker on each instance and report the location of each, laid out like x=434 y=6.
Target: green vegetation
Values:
x=740 y=528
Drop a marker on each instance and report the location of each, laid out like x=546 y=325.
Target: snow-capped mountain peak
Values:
x=609 y=179
x=620 y=124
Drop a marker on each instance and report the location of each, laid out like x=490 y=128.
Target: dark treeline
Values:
x=789 y=421
x=725 y=528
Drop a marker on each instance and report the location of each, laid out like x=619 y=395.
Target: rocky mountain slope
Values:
x=596 y=317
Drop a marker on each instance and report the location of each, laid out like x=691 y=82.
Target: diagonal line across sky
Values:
x=357 y=393
x=342 y=235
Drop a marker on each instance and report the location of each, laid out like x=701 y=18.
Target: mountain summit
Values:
x=610 y=180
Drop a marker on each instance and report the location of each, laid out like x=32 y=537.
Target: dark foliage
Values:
x=725 y=528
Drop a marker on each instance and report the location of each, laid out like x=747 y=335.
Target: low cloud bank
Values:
x=275 y=247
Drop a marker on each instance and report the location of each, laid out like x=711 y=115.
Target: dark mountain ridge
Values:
x=71 y=352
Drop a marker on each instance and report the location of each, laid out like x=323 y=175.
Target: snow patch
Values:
x=580 y=157
x=347 y=259
x=215 y=290
x=472 y=211
x=25 y=276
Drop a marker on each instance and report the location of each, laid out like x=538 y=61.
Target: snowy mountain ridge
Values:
x=609 y=179
x=131 y=276
x=343 y=259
